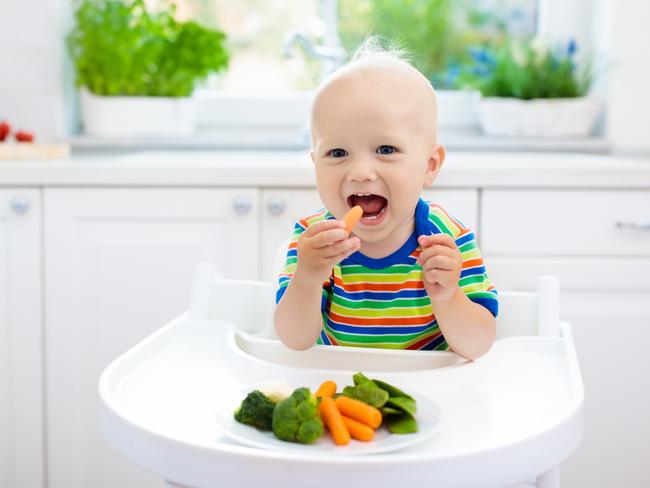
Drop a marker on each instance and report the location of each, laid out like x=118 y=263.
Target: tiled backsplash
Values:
x=31 y=63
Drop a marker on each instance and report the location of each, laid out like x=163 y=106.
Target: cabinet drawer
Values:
x=631 y=275
x=565 y=223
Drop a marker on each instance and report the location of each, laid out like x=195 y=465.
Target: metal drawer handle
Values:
x=242 y=205
x=276 y=206
x=633 y=226
x=20 y=205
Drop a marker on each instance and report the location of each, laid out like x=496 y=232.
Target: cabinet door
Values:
x=606 y=301
x=21 y=342
x=590 y=241
x=119 y=265
x=281 y=208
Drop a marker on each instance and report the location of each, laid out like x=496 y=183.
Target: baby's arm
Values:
x=298 y=319
x=468 y=327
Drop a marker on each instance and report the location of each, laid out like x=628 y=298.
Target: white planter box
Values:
x=457 y=109
x=559 y=117
x=136 y=116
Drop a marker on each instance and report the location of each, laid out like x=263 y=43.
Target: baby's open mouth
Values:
x=373 y=206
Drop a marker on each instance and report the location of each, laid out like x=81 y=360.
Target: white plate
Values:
x=428 y=417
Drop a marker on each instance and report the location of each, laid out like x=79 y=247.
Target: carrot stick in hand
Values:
x=358 y=431
x=358 y=410
x=352 y=217
x=333 y=421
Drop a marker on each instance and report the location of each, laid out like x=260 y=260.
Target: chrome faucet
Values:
x=331 y=57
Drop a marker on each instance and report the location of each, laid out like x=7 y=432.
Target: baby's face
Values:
x=374 y=145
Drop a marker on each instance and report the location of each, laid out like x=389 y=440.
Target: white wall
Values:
x=616 y=34
x=32 y=90
x=623 y=32
x=36 y=79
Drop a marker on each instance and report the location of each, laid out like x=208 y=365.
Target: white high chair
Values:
x=513 y=415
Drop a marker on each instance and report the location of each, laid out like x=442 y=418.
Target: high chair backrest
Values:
x=249 y=305
x=530 y=313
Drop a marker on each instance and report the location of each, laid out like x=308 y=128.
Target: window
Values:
x=257 y=31
x=438 y=33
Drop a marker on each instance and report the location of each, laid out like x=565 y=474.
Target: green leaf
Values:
x=359 y=379
x=390 y=411
x=405 y=404
x=367 y=393
x=119 y=48
x=393 y=391
x=401 y=424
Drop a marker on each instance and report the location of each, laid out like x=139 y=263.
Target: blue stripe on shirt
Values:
x=381 y=330
x=379 y=295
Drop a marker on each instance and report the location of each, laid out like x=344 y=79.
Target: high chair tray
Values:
x=507 y=417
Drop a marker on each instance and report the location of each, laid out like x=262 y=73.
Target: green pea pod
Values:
x=390 y=411
x=361 y=379
x=367 y=393
x=392 y=390
x=401 y=424
x=405 y=404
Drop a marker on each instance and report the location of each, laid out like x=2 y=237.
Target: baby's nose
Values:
x=362 y=170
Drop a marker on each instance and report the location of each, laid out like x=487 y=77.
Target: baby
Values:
x=411 y=275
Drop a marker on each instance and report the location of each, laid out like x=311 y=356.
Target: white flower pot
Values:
x=553 y=117
x=457 y=109
x=136 y=116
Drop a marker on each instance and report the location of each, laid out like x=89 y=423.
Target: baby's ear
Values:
x=436 y=159
x=313 y=157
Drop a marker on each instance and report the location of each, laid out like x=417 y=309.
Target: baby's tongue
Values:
x=370 y=204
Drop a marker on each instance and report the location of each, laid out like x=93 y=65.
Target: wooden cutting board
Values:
x=32 y=150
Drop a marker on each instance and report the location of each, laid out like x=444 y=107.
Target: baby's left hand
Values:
x=441 y=266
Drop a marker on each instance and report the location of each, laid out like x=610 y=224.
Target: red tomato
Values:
x=5 y=129
x=24 y=136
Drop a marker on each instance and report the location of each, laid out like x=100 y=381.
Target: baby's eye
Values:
x=337 y=153
x=386 y=149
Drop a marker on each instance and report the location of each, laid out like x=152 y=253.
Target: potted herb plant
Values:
x=531 y=90
x=138 y=69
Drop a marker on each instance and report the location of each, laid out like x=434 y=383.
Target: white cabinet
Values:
x=118 y=265
x=280 y=209
x=604 y=271
x=461 y=204
x=21 y=341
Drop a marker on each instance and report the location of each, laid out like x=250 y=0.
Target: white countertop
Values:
x=294 y=169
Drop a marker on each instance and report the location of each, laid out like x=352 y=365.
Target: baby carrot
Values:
x=352 y=217
x=328 y=388
x=358 y=431
x=360 y=411
x=333 y=420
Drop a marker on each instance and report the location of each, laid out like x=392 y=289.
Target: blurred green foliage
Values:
x=436 y=33
x=119 y=48
x=526 y=70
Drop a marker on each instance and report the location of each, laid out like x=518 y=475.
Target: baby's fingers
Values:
x=328 y=237
x=322 y=226
x=435 y=250
x=443 y=277
x=440 y=239
x=439 y=262
x=342 y=249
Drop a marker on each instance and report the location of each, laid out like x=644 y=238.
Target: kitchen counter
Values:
x=294 y=169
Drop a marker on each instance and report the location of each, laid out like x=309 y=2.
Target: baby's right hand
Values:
x=322 y=246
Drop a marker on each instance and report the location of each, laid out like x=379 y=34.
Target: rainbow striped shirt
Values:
x=382 y=302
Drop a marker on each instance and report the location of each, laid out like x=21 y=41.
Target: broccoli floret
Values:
x=297 y=419
x=256 y=410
